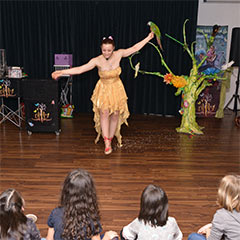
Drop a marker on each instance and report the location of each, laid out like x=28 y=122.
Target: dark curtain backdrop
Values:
x=33 y=31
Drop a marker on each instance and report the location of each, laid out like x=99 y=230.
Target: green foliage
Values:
x=196 y=83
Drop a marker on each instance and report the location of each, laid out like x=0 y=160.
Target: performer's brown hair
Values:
x=108 y=40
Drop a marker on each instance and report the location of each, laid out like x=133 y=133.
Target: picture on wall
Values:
x=208 y=101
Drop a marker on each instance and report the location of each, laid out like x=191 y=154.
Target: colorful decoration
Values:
x=189 y=86
x=181 y=111
x=215 y=50
x=185 y=104
x=40 y=113
x=67 y=111
x=5 y=90
x=177 y=81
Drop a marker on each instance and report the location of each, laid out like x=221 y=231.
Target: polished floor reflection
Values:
x=187 y=167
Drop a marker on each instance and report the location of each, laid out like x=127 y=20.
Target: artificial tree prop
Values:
x=189 y=86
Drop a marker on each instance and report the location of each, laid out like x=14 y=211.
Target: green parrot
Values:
x=213 y=35
x=154 y=28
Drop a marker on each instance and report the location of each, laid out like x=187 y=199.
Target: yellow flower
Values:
x=179 y=81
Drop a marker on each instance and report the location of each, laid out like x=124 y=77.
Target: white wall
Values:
x=222 y=13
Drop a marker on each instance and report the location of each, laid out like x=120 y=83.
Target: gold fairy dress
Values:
x=109 y=94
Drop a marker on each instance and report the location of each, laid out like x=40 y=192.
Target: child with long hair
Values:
x=226 y=221
x=77 y=217
x=14 y=225
x=153 y=222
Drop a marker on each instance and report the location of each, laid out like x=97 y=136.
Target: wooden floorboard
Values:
x=189 y=169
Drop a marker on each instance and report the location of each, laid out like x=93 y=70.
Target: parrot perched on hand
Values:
x=154 y=28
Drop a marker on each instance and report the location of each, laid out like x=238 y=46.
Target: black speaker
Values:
x=235 y=47
x=235 y=56
x=40 y=89
x=42 y=110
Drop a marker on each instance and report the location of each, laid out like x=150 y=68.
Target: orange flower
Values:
x=168 y=78
x=179 y=81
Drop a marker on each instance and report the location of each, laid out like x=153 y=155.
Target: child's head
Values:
x=11 y=201
x=154 y=206
x=79 y=200
x=11 y=210
x=229 y=193
x=78 y=186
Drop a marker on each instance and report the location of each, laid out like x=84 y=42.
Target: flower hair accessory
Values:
x=109 y=37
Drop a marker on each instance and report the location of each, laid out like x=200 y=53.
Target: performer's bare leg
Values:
x=104 y=120
x=113 y=123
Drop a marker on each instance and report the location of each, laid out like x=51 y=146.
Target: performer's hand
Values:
x=151 y=35
x=205 y=229
x=56 y=75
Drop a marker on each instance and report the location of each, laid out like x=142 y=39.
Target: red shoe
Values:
x=108 y=150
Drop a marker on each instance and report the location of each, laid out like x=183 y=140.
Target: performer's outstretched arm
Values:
x=129 y=51
x=76 y=70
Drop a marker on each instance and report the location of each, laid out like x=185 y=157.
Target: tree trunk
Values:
x=188 y=123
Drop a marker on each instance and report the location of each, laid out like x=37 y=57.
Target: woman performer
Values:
x=109 y=97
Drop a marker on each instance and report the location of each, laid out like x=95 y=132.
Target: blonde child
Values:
x=226 y=221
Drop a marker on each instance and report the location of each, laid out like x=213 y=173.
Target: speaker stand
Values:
x=9 y=114
x=235 y=96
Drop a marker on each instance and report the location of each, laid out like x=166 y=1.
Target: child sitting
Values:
x=153 y=222
x=77 y=217
x=226 y=221
x=14 y=225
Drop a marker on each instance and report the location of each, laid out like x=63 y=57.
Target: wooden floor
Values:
x=188 y=169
